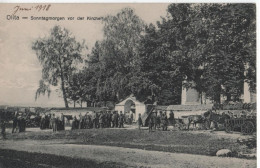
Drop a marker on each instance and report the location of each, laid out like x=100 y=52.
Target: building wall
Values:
x=248 y=96
x=190 y=96
x=120 y=108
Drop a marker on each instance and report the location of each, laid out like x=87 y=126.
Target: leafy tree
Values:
x=165 y=55
x=43 y=88
x=58 y=54
x=225 y=51
x=113 y=59
x=212 y=45
x=204 y=43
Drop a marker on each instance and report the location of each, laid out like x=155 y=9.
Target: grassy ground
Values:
x=169 y=141
x=19 y=159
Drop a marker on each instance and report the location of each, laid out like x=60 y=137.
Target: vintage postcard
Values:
x=128 y=85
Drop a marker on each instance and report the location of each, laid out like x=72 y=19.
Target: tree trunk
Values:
x=64 y=93
x=62 y=84
x=74 y=104
x=201 y=101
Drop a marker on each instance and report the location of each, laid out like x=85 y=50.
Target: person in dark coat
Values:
x=101 y=120
x=62 y=118
x=158 y=121
x=150 y=124
x=105 y=119
x=95 y=120
x=3 y=124
x=140 y=122
x=23 y=124
x=155 y=121
x=88 y=122
x=80 y=121
x=116 y=119
x=121 y=120
x=131 y=117
x=48 y=121
x=42 y=122
x=171 y=118
x=164 y=122
x=19 y=123
x=109 y=119
x=74 y=123
x=54 y=123
x=3 y=127
x=15 y=122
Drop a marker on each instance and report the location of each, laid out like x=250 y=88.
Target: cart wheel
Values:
x=247 y=128
x=229 y=128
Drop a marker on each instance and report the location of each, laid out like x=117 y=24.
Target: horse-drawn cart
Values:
x=246 y=125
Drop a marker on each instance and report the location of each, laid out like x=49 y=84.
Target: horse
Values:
x=215 y=118
x=186 y=121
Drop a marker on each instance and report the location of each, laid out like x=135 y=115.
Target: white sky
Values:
x=20 y=69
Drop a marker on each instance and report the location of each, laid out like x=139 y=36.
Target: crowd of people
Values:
x=19 y=123
x=102 y=119
x=50 y=121
x=161 y=120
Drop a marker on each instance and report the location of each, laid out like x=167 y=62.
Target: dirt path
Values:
x=131 y=157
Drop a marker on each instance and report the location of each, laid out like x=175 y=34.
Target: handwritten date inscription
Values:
x=36 y=8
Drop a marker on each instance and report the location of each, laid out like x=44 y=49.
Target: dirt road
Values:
x=130 y=157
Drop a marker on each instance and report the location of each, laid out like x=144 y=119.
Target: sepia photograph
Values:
x=118 y=85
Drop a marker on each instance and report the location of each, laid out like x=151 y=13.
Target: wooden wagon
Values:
x=246 y=125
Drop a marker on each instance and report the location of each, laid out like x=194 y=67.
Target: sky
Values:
x=21 y=71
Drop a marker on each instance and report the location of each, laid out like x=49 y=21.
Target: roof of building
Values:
x=122 y=103
x=79 y=110
x=190 y=107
